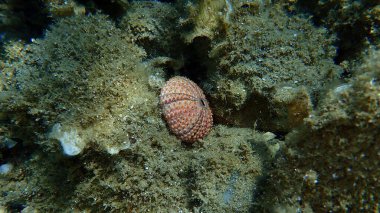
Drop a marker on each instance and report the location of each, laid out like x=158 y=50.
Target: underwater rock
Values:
x=85 y=74
x=217 y=175
x=99 y=77
x=206 y=18
x=152 y=25
x=262 y=52
x=59 y=8
x=290 y=107
x=231 y=92
x=356 y=22
x=339 y=146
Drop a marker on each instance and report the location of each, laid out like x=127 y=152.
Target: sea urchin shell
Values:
x=185 y=109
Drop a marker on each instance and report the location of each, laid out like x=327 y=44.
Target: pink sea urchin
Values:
x=185 y=109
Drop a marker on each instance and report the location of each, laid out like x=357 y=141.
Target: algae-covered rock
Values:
x=206 y=18
x=290 y=106
x=81 y=130
x=64 y=8
x=217 y=175
x=355 y=22
x=264 y=52
x=152 y=25
x=88 y=77
x=84 y=101
x=332 y=162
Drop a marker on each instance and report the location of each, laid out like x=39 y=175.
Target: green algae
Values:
x=355 y=22
x=98 y=84
x=163 y=175
x=332 y=160
x=261 y=67
x=262 y=53
x=153 y=27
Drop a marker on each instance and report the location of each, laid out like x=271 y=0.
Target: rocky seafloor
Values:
x=294 y=86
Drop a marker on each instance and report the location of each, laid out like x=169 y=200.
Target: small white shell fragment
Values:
x=5 y=168
x=113 y=150
x=268 y=136
x=340 y=89
x=70 y=141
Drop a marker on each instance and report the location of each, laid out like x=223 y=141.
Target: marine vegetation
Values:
x=294 y=101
